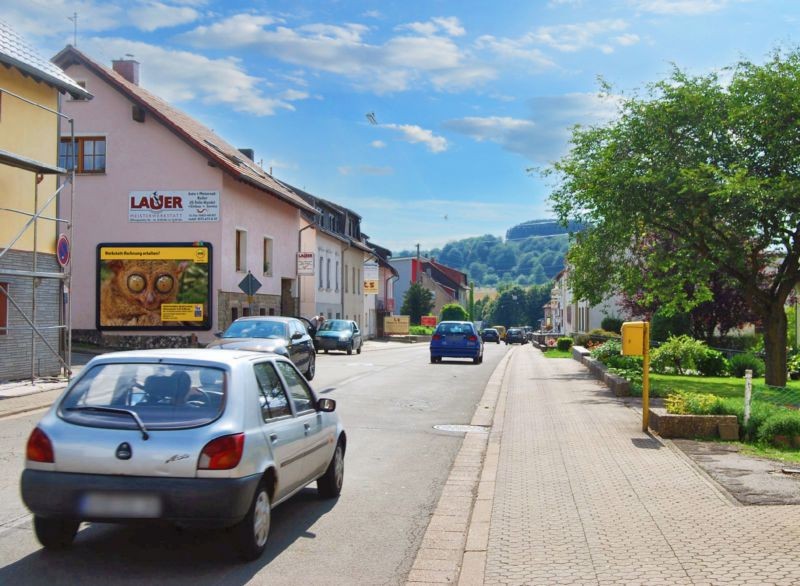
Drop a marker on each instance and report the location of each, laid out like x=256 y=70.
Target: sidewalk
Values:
x=572 y=491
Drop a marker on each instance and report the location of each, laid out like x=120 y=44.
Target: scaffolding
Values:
x=39 y=170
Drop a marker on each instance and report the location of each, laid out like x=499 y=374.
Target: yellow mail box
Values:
x=633 y=338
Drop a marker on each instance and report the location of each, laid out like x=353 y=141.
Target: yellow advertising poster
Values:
x=396 y=324
x=370 y=287
x=182 y=312
x=158 y=286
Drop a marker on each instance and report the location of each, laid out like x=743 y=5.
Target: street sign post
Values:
x=636 y=342
x=249 y=285
x=62 y=250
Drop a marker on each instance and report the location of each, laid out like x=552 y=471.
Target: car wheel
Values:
x=359 y=347
x=350 y=349
x=498 y=341
x=476 y=360
x=312 y=367
x=329 y=485
x=433 y=360
x=55 y=533
x=326 y=350
x=253 y=530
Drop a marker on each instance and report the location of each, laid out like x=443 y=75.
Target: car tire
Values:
x=329 y=485
x=312 y=367
x=476 y=360
x=326 y=350
x=350 y=349
x=498 y=341
x=359 y=348
x=55 y=533
x=433 y=360
x=252 y=532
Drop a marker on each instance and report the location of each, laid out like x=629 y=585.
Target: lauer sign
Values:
x=173 y=206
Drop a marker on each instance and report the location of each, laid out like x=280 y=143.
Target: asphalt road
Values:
x=389 y=398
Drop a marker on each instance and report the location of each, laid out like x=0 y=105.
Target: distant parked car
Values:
x=490 y=335
x=339 y=334
x=194 y=437
x=501 y=330
x=456 y=339
x=515 y=336
x=287 y=336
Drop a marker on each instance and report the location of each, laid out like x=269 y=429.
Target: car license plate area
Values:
x=139 y=506
x=455 y=339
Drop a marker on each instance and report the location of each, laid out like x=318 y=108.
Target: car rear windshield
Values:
x=255 y=329
x=335 y=326
x=162 y=396
x=454 y=329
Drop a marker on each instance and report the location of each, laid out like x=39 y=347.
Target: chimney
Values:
x=127 y=68
x=249 y=153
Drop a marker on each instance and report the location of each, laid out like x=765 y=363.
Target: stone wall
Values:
x=691 y=426
x=15 y=344
x=132 y=342
x=261 y=305
x=620 y=386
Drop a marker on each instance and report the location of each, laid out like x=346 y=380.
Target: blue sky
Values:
x=467 y=95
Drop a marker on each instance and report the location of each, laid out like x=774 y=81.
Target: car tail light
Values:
x=40 y=448
x=222 y=453
x=437 y=336
x=473 y=338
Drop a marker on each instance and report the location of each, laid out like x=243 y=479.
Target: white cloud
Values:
x=515 y=49
x=377 y=144
x=404 y=61
x=627 y=39
x=416 y=134
x=179 y=76
x=569 y=38
x=543 y=137
x=150 y=16
x=448 y=25
x=372 y=14
x=688 y=7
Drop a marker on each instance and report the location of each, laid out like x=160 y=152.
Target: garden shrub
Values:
x=741 y=343
x=747 y=361
x=793 y=364
x=663 y=326
x=611 y=324
x=711 y=363
x=694 y=403
x=581 y=339
x=420 y=330
x=678 y=353
x=607 y=349
x=564 y=344
x=600 y=334
x=784 y=423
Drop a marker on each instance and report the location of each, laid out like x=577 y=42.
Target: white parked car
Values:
x=196 y=437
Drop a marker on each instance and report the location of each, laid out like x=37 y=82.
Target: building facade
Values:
x=32 y=313
x=153 y=176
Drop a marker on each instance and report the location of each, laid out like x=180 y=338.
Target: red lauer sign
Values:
x=173 y=206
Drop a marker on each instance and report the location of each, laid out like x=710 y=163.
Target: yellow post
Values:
x=636 y=342
x=646 y=378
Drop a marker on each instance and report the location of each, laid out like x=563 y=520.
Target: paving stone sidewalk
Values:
x=583 y=496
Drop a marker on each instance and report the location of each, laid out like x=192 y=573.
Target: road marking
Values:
x=7 y=526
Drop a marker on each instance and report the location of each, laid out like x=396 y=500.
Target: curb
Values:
x=25 y=406
x=454 y=544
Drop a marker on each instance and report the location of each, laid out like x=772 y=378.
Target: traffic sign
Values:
x=250 y=284
x=62 y=250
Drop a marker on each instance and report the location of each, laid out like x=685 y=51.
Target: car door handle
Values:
x=273 y=437
x=307 y=426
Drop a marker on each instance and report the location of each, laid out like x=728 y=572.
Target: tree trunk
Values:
x=775 y=346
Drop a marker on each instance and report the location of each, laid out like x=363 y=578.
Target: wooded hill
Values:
x=531 y=254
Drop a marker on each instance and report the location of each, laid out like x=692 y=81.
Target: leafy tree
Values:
x=417 y=301
x=538 y=276
x=709 y=166
x=454 y=312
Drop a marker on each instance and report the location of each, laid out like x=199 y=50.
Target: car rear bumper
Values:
x=451 y=352
x=211 y=502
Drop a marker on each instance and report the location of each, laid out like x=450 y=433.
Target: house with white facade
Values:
x=161 y=187
x=567 y=316
x=447 y=284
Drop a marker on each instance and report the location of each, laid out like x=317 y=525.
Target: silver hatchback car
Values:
x=195 y=437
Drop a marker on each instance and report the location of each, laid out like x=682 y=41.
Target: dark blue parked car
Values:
x=456 y=339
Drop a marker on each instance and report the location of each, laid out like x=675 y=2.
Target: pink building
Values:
x=151 y=175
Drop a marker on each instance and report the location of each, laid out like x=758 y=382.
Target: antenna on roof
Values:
x=129 y=55
x=74 y=19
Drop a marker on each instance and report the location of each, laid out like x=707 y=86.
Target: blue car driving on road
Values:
x=456 y=339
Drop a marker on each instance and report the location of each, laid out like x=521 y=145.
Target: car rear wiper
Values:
x=133 y=414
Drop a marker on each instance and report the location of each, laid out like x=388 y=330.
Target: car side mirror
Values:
x=217 y=334
x=326 y=404
x=297 y=336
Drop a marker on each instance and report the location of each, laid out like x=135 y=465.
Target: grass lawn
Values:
x=662 y=384
x=553 y=353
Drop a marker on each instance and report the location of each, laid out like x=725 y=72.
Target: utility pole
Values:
x=74 y=19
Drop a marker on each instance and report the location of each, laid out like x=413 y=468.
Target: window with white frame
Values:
x=267 y=257
x=241 y=250
x=328 y=274
x=336 y=276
